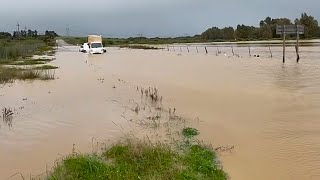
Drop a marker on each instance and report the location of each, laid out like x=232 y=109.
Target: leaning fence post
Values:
x=188 y=49
x=249 y=51
x=205 y=48
x=232 y=50
x=270 y=52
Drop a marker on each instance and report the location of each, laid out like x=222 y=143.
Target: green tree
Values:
x=268 y=20
x=244 y=32
x=265 y=32
x=278 y=21
x=228 y=33
x=213 y=33
x=311 y=25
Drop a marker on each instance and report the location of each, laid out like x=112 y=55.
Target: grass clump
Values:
x=141 y=160
x=190 y=132
x=86 y=167
x=45 y=67
x=200 y=164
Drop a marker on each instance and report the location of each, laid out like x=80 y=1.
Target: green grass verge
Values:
x=14 y=49
x=140 y=47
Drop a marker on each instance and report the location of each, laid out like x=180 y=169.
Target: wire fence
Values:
x=241 y=51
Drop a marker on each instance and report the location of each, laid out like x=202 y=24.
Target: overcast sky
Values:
x=123 y=18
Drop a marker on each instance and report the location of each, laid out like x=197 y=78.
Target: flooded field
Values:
x=267 y=110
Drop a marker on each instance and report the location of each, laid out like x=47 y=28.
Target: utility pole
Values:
x=18 y=30
x=68 y=31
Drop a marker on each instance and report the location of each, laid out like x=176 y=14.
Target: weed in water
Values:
x=86 y=167
x=28 y=74
x=7 y=116
x=200 y=163
x=48 y=75
x=8 y=75
x=190 y=132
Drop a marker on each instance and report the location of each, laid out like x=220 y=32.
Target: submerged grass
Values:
x=9 y=75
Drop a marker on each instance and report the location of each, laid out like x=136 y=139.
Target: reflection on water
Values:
x=267 y=110
x=289 y=77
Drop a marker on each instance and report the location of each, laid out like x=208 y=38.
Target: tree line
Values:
x=28 y=34
x=265 y=31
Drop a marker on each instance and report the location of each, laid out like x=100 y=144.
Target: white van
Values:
x=84 y=48
x=95 y=44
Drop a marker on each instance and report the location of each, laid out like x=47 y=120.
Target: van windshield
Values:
x=96 y=45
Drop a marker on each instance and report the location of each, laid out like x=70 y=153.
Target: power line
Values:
x=68 y=31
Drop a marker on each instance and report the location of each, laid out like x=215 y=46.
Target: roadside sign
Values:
x=290 y=29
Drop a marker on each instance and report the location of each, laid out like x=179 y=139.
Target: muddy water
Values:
x=267 y=110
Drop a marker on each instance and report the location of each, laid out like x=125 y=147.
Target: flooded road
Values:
x=267 y=110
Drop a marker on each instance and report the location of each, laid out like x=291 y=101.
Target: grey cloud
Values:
x=147 y=17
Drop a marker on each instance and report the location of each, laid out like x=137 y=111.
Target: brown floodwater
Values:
x=267 y=110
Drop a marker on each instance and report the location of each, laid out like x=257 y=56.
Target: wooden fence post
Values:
x=297 y=46
x=270 y=52
x=284 y=44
